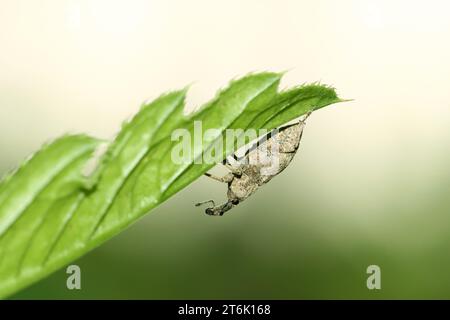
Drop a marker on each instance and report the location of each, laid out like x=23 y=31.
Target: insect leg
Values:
x=235 y=171
x=220 y=210
x=306 y=116
x=226 y=178
x=226 y=162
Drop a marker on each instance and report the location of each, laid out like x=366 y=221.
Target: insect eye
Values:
x=235 y=202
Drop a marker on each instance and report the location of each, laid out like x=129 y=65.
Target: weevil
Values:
x=244 y=179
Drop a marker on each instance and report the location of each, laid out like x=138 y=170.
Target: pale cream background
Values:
x=85 y=66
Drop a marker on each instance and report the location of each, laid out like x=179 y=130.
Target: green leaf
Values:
x=51 y=213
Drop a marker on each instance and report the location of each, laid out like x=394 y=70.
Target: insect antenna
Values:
x=205 y=202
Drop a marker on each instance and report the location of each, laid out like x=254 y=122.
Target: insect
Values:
x=251 y=173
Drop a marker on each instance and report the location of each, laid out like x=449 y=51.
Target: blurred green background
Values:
x=370 y=184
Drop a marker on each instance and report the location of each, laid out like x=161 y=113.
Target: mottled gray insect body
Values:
x=263 y=161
